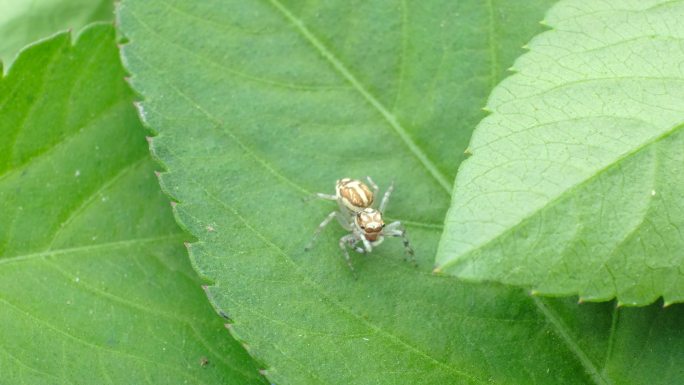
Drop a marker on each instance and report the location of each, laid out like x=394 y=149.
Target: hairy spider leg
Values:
x=362 y=237
x=326 y=221
x=373 y=185
x=386 y=197
x=396 y=229
x=362 y=250
x=343 y=245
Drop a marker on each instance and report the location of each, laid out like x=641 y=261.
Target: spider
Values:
x=364 y=222
x=352 y=197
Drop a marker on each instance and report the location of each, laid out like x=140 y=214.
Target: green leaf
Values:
x=24 y=21
x=575 y=185
x=260 y=104
x=94 y=284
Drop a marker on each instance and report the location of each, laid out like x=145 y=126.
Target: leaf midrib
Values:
x=356 y=84
x=561 y=330
x=569 y=190
x=90 y=198
x=93 y=247
x=92 y=122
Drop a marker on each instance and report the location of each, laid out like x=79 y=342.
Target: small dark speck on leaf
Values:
x=204 y=361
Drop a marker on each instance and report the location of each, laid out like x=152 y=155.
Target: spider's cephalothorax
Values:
x=370 y=223
x=356 y=215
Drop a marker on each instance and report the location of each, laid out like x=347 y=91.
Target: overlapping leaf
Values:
x=259 y=104
x=94 y=283
x=25 y=21
x=575 y=185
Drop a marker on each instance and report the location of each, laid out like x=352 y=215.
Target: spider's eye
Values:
x=363 y=227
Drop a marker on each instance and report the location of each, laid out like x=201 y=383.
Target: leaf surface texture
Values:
x=94 y=284
x=575 y=185
x=25 y=21
x=258 y=105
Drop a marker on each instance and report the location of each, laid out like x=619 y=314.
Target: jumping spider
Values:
x=356 y=215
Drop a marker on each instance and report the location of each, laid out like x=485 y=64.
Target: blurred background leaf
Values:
x=25 y=21
x=95 y=285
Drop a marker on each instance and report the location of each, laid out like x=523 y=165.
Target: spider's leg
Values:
x=373 y=185
x=366 y=244
x=343 y=245
x=396 y=229
x=311 y=197
x=355 y=241
x=386 y=197
x=345 y=220
x=320 y=228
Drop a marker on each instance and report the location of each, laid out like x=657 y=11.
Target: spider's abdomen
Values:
x=354 y=194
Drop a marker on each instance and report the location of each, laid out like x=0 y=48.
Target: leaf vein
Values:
x=99 y=246
x=636 y=151
x=388 y=116
x=562 y=331
x=318 y=288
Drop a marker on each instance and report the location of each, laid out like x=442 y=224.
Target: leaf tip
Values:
x=667 y=304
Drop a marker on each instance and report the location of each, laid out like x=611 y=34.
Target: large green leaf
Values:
x=575 y=185
x=258 y=104
x=94 y=284
x=24 y=21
